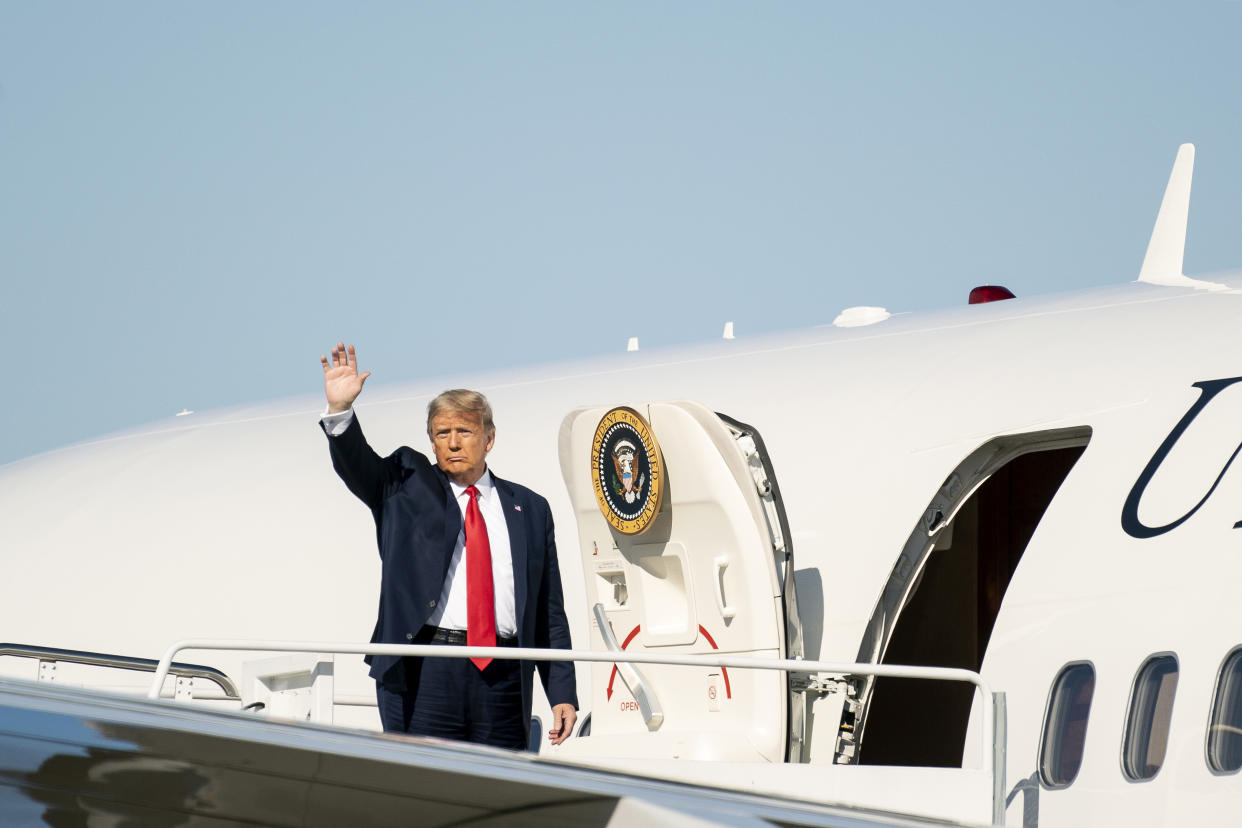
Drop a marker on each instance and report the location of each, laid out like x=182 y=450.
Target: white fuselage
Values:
x=232 y=524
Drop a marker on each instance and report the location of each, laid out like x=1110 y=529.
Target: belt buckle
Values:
x=454 y=637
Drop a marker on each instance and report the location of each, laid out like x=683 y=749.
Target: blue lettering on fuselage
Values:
x=1130 y=522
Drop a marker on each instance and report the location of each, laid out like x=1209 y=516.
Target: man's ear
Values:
x=491 y=438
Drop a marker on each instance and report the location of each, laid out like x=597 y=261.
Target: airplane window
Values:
x=1065 y=725
x=1147 y=725
x=1224 y=743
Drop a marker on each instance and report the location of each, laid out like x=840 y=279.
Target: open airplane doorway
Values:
x=944 y=594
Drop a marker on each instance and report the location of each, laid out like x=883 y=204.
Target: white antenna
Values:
x=1167 y=248
x=728 y=331
x=633 y=344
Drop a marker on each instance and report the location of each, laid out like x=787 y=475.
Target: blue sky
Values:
x=196 y=200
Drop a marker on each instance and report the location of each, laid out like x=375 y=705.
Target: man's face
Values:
x=461 y=445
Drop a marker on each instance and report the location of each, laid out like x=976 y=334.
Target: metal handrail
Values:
x=145 y=665
x=992 y=730
x=537 y=654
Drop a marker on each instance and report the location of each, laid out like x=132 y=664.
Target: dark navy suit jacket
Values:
x=417 y=521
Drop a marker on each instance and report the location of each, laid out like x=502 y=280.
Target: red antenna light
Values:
x=990 y=293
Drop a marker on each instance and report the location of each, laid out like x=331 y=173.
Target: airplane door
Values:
x=684 y=550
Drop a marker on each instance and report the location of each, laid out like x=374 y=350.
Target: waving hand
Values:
x=341 y=381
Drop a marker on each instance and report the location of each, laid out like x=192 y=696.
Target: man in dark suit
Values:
x=467 y=558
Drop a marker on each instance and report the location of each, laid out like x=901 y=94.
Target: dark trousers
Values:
x=450 y=698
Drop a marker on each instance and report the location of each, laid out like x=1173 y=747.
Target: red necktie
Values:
x=480 y=594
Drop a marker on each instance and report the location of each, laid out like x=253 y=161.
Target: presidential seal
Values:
x=627 y=471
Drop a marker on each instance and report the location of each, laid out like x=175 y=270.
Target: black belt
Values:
x=458 y=637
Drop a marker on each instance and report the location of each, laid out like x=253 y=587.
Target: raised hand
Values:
x=341 y=381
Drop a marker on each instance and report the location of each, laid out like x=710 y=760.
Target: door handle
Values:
x=726 y=612
x=648 y=705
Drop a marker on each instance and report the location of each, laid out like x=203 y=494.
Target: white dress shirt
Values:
x=451 y=608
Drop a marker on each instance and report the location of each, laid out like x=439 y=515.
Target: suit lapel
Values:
x=452 y=524
x=517 y=545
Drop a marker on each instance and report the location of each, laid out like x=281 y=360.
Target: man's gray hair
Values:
x=465 y=401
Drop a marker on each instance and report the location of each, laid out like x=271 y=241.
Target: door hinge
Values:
x=807 y=683
x=849 y=688
x=847 y=738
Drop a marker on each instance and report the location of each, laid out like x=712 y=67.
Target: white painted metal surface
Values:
x=111 y=762
x=231 y=524
x=700 y=580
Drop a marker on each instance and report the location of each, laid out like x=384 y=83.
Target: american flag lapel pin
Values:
x=517 y=508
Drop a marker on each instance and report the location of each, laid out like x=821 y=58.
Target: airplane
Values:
x=974 y=566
